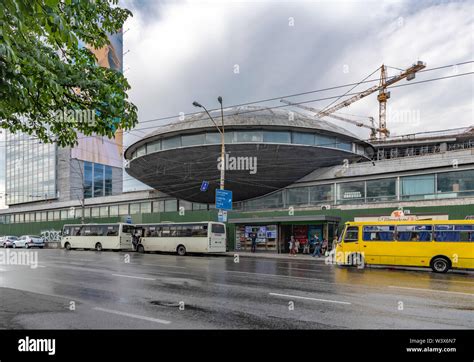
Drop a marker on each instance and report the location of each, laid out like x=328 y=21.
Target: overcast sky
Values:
x=181 y=51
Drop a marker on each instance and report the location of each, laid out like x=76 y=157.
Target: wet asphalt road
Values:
x=101 y=290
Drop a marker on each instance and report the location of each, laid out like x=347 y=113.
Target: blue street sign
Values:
x=223 y=199
x=204 y=186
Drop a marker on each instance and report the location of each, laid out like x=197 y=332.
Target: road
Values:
x=108 y=290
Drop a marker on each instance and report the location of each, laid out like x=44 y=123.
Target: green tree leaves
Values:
x=43 y=70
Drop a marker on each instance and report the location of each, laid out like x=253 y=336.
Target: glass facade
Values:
x=30 y=169
x=247 y=136
x=451 y=184
x=97 y=180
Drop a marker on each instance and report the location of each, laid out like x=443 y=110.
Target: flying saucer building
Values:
x=266 y=150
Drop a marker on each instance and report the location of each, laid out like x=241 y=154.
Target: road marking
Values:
x=271 y=275
x=307 y=298
x=162 y=321
x=430 y=290
x=131 y=276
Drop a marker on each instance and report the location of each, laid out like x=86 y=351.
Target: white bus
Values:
x=98 y=236
x=182 y=238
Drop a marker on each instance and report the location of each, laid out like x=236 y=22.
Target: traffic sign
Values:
x=204 y=186
x=223 y=199
x=222 y=216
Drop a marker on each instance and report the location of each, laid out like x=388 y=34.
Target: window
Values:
x=108 y=181
x=379 y=233
x=104 y=211
x=352 y=234
x=456 y=182
x=351 y=192
x=276 y=137
x=113 y=210
x=134 y=209
x=87 y=179
x=171 y=205
x=187 y=231
x=186 y=205
x=199 y=230
x=417 y=187
x=127 y=229
x=382 y=190
x=172 y=142
x=321 y=194
x=192 y=140
x=347 y=146
x=463 y=233
x=298 y=196
x=153 y=146
x=95 y=212
x=213 y=138
x=248 y=136
x=303 y=138
x=64 y=214
x=66 y=231
x=111 y=230
x=145 y=207
x=98 y=179
x=414 y=232
x=141 y=151
x=325 y=141
x=218 y=228
x=158 y=206
x=123 y=209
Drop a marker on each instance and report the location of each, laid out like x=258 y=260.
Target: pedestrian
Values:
x=324 y=247
x=253 y=236
x=297 y=247
x=135 y=239
x=306 y=247
x=317 y=247
x=292 y=245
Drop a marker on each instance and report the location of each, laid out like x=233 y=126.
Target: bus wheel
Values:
x=98 y=247
x=140 y=248
x=440 y=264
x=67 y=246
x=181 y=250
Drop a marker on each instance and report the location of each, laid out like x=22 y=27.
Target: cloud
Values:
x=185 y=51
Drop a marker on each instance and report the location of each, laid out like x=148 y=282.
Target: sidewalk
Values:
x=264 y=255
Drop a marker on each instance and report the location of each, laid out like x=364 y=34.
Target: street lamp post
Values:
x=221 y=131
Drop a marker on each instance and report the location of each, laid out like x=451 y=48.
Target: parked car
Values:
x=7 y=241
x=29 y=241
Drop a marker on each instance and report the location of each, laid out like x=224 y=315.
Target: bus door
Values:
x=217 y=237
x=126 y=236
x=350 y=242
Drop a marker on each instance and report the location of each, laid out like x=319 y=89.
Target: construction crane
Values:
x=382 y=97
x=373 y=129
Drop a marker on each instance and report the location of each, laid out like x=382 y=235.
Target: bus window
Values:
x=86 y=231
x=466 y=232
x=378 y=233
x=199 y=230
x=414 y=232
x=111 y=230
x=165 y=232
x=187 y=231
x=453 y=233
x=352 y=234
x=76 y=231
x=218 y=228
x=127 y=229
x=66 y=231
